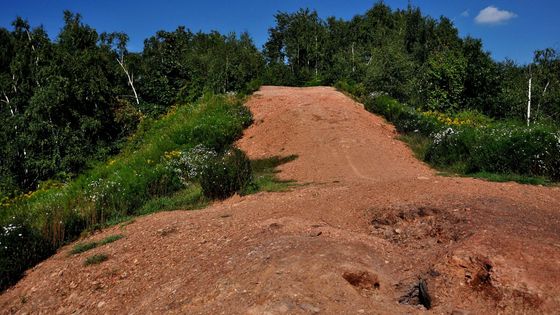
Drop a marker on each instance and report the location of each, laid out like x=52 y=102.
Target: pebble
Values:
x=315 y=233
x=310 y=308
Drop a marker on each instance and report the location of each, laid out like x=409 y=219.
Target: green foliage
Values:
x=61 y=102
x=128 y=184
x=252 y=86
x=389 y=70
x=298 y=38
x=95 y=259
x=411 y=57
x=181 y=66
x=187 y=199
x=84 y=247
x=21 y=246
x=418 y=143
x=226 y=174
x=404 y=117
x=73 y=101
x=503 y=149
x=510 y=177
x=443 y=80
x=355 y=89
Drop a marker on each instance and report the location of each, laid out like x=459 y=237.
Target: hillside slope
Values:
x=368 y=223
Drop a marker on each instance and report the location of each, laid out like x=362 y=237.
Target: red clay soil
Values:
x=373 y=231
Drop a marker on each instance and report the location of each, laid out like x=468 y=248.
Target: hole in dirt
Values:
x=481 y=278
x=275 y=226
x=418 y=294
x=409 y=224
x=362 y=280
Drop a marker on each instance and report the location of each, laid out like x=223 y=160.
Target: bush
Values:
x=404 y=117
x=504 y=149
x=356 y=89
x=226 y=174
x=252 y=86
x=315 y=81
x=21 y=246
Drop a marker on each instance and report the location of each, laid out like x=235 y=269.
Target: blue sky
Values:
x=508 y=28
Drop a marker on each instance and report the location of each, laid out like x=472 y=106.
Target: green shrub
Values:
x=316 y=81
x=451 y=146
x=474 y=118
x=504 y=149
x=21 y=246
x=404 y=117
x=252 y=86
x=356 y=89
x=226 y=174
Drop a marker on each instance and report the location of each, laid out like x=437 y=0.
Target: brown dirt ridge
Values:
x=373 y=231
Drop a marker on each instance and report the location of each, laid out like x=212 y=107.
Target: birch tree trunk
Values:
x=130 y=79
x=529 y=103
x=316 y=56
x=542 y=97
x=353 y=65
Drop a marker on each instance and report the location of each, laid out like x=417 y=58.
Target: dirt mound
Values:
x=373 y=231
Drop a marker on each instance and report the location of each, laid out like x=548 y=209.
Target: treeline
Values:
x=71 y=101
x=414 y=58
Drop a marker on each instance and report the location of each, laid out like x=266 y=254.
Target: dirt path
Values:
x=357 y=239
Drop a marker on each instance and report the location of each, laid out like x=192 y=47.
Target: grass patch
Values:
x=110 y=239
x=499 y=178
x=522 y=179
x=265 y=175
x=418 y=143
x=190 y=198
x=84 y=247
x=128 y=222
x=95 y=259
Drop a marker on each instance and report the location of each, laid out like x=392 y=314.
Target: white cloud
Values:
x=493 y=15
x=465 y=13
